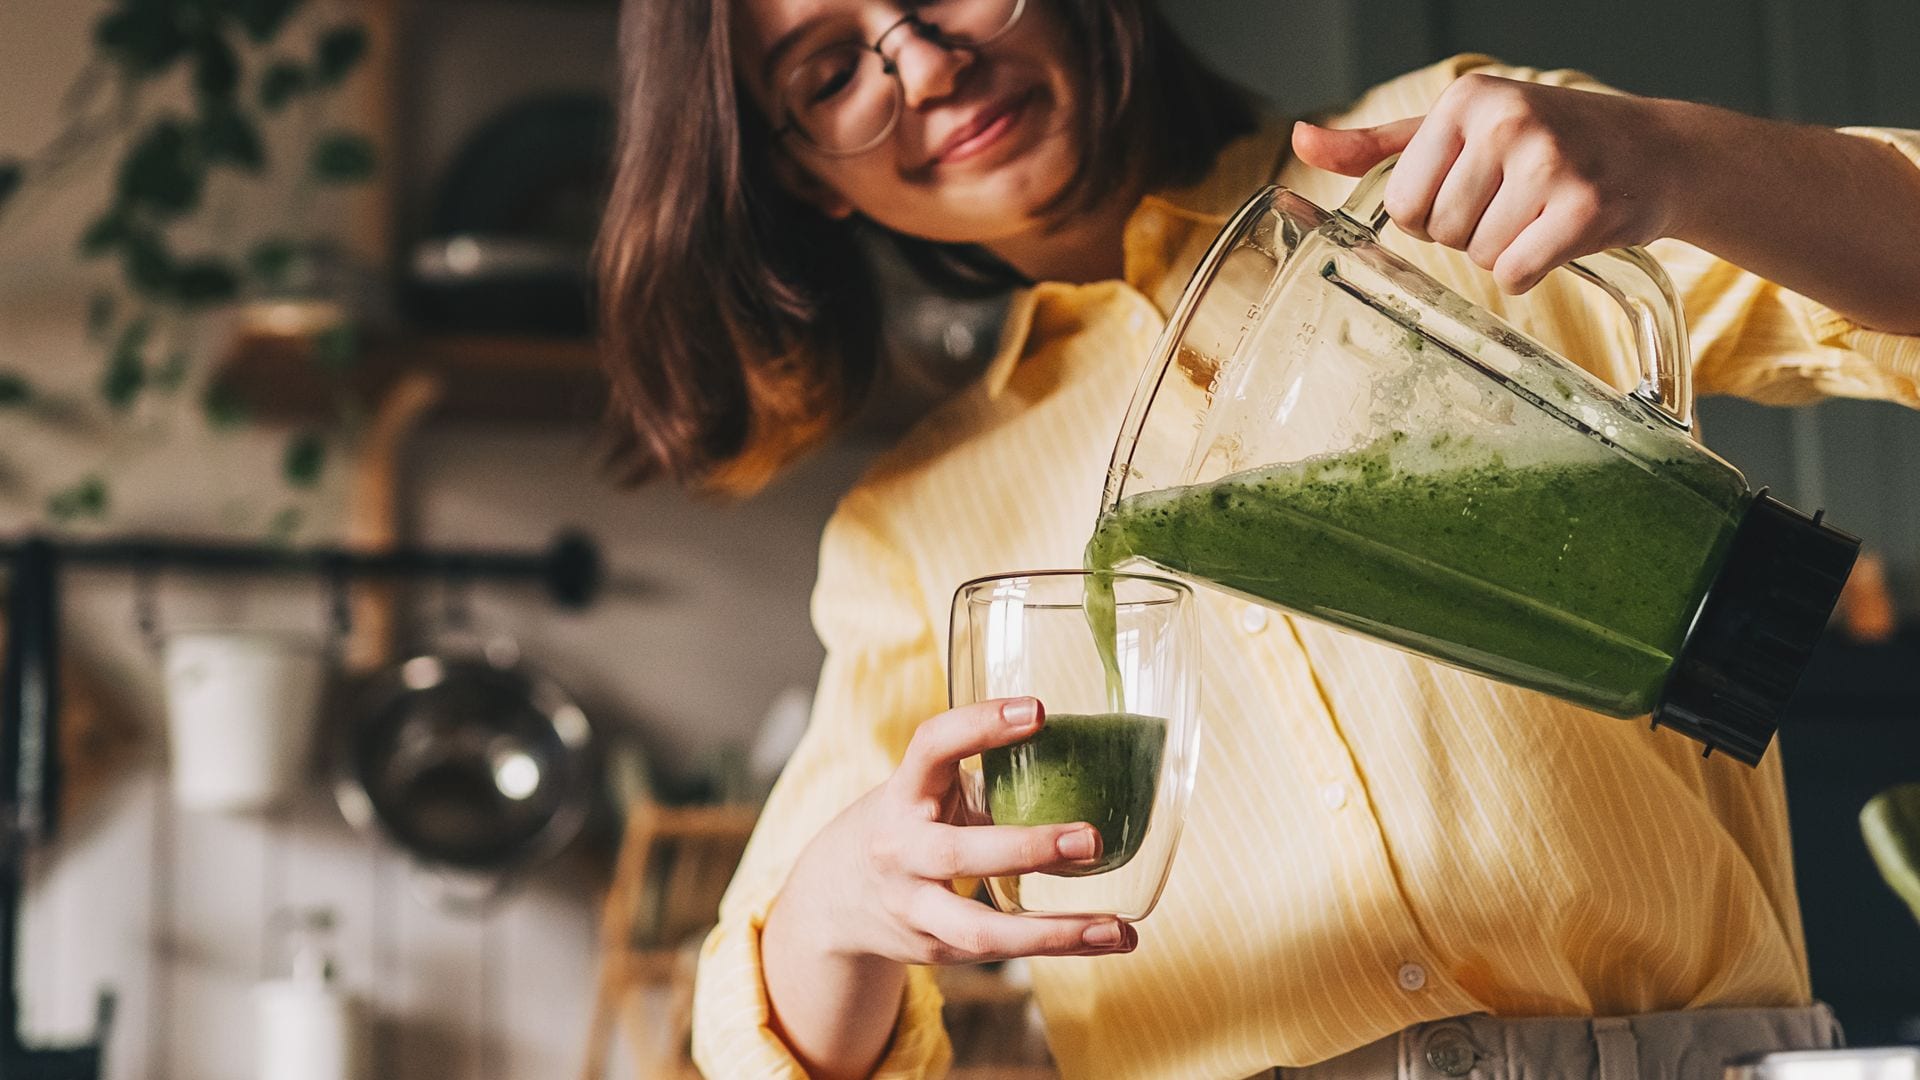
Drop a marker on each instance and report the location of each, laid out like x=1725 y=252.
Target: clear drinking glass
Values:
x=1118 y=748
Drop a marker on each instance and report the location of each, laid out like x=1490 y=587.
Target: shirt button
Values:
x=1412 y=977
x=1334 y=795
x=1137 y=322
x=1253 y=618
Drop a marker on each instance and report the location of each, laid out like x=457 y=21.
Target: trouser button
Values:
x=1449 y=1052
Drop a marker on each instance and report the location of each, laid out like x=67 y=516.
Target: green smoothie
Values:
x=1102 y=769
x=1576 y=576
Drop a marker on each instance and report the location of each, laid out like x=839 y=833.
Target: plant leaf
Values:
x=147 y=262
x=172 y=373
x=216 y=69
x=9 y=180
x=126 y=373
x=144 y=39
x=223 y=408
x=203 y=282
x=1890 y=824
x=280 y=83
x=306 y=455
x=107 y=232
x=342 y=157
x=264 y=18
x=270 y=261
x=228 y=137
x=86 y=498
x=134 y=335
x=15 y=390
x=340 y=50
x=162 y=172
x=100 y=314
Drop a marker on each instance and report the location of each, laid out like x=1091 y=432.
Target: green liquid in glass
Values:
x=1102 y=769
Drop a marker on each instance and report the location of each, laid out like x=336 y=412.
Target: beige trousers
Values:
x=1694 y=1044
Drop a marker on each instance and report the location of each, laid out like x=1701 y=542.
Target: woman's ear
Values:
x=810 y=189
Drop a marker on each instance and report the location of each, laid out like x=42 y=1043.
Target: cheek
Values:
x=976 y=208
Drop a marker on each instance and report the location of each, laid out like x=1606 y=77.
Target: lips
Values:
x=976 y=135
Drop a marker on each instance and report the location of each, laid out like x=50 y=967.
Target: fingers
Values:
x=966 y=931
x=943 y=852
x=940 y=744
x=1512 y=210
x=1353 y=151
x=1523 y=178
x=1465 y=193
x=1417 y=179
x=1558 y=236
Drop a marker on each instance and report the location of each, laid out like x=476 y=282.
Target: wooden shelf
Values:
x=492 y=379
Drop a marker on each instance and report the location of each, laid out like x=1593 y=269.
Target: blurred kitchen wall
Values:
x=704 y=625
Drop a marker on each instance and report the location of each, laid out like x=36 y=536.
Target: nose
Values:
x=928 y=70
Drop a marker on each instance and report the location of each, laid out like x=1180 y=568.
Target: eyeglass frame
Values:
x=929 y=32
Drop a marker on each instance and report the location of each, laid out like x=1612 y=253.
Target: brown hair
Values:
x=737 y=322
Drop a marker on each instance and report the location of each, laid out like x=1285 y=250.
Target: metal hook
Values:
x=146 y=605
x=339 y=603
x=456 y=600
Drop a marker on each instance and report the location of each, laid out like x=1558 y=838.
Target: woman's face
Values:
x=985 y=137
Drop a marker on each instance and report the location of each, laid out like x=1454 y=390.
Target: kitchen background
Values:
x=702 y=633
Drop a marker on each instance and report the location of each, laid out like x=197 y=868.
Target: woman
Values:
x=1376 y=843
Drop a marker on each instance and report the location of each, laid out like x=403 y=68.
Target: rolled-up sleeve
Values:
x=1759 y=340
x=882 y=677
x=1897 y=354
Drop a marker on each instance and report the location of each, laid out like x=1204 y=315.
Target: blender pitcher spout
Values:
x=1226 y=299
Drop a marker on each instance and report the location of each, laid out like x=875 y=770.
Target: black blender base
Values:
x=1757 y=628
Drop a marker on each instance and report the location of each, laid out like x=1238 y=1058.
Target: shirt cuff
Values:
x=1895 y=353
x=733 y=1036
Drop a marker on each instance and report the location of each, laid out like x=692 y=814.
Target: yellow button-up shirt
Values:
x=1374 y=839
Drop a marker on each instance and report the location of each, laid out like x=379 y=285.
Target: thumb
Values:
x=1353 y=151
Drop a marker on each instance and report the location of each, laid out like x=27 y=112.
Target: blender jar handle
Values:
x=1635 y=281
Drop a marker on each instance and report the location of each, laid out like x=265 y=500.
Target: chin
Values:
x=1023 y=190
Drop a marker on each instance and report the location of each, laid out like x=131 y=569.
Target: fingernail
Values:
x=1021 y=713
x=1103 y=935
x=1078 y=844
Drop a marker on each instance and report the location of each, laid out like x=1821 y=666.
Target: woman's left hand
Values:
x=1522 y=177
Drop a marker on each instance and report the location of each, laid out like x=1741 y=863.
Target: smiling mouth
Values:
x=984 y=133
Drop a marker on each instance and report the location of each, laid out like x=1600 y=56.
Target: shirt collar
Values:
x=1163 y=238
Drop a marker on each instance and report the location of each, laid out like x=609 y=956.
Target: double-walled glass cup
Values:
x=1120 y=741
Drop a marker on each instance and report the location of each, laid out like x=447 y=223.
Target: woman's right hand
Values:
x=876 y=882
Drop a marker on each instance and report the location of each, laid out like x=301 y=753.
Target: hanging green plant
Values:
x=245 y=69
x=305 y=456
x=85 y=499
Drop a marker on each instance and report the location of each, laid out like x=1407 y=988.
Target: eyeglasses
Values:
x=845 y=99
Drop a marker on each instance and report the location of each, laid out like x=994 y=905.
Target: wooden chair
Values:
x=673 y=867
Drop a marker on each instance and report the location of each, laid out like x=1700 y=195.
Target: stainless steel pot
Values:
x=477 y=765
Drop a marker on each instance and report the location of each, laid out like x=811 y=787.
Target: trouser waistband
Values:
x=1692 y=1044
